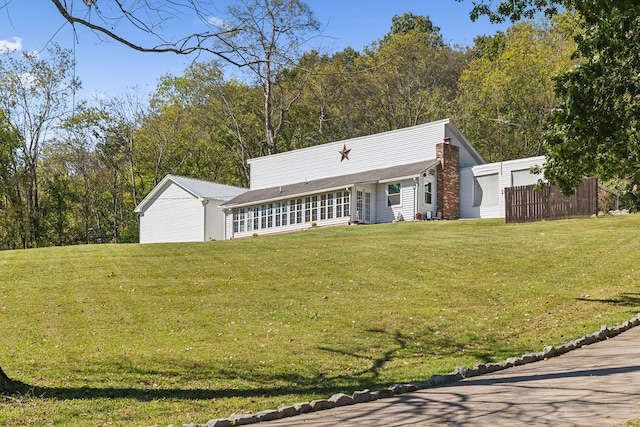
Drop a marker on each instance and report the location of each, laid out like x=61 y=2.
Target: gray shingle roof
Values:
x=329 y=184
x=200 y=189
x=207 y=189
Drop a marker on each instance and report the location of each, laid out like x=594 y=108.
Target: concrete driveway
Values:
x=596 y=385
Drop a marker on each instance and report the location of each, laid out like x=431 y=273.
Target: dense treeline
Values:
x=73 y=174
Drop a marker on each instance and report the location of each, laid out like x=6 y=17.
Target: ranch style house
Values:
x=429 y=171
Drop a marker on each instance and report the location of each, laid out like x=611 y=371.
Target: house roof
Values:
x=374 y=176
x=200 y=189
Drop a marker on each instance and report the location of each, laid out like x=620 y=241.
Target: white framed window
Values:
x=339 y=204
x=428 y=193
x=284 y=213
x=314 y=208
x=323 y=206
x=393 y=194
x=239 y=220
x=346 y=206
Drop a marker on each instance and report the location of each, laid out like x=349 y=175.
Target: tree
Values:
x=413 y=74
x=143 y=21
x=516 y=10
x=266 y=36
x=507 y=90
x=10 y=177
x=216 y=126
x=34 y=93
x=7 y=386
x=593 y=130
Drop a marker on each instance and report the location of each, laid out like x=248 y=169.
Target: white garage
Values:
x=183 y=209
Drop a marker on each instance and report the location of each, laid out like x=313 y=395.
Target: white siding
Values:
x=215 y=221
x=383 y=150
x=407 y=205
x=289 y=228
x=504 y=171
x=433 y=206
x=173 y=215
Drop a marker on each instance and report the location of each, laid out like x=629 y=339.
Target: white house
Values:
x=181 y=209
x=482 y=186
x=430 y=169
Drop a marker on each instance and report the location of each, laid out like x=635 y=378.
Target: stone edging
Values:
x=461 y=372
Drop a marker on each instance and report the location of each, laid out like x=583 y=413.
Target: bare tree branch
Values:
x=207 y=41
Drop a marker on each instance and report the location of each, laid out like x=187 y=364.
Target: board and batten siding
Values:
x=174 y=215
x=398 y=147
x=509 y=173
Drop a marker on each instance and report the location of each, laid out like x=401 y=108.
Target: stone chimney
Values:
x=448 y=179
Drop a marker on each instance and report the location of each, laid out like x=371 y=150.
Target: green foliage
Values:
x=180 y=333
x=409 y=23
x=10 y=179
x=595 y=127
x=593 y=130
x=516 y=10
x=34 y=92
x=507 y=91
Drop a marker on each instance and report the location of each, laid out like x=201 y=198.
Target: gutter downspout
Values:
x=415 y=196
x=204 y=202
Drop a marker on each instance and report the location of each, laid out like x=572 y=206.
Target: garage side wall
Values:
x=174 y=215
x=215 y=221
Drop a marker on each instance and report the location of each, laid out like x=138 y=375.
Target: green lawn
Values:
x=179 y=333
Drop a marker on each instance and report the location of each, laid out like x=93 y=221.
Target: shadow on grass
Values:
x=147 y=395
x=625 y=300
x=399 y=346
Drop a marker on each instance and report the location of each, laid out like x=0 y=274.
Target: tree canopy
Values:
x=594 y=128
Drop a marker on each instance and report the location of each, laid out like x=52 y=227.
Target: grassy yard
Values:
x=179 y=333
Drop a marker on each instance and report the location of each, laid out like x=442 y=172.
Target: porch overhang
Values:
x=338 y=183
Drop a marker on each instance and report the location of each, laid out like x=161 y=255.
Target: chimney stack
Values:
x=448 y=179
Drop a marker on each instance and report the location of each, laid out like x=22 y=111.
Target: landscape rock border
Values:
x=460 y=373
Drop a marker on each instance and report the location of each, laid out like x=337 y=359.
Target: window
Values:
x=393 y=194
x=299 y=207
x=346 y=208
x=486 y=190
x=339 y=204
x=253 y=218
x=239 y=220
x=523 y=177
x=427 y=193
x=330 y=206
x=263 y=216
x=314 y=208
x=269 y=215
x=285 y=208
x=307 y=209
x=367 y=206
x=323 y=206
x=292 y=212
x=278 y=214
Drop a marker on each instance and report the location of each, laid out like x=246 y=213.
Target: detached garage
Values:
x=183 y=209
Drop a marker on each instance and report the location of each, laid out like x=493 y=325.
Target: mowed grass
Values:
x=181 y=333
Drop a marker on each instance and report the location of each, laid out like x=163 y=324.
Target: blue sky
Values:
x=108 y=69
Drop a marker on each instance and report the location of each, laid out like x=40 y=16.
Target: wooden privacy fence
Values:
x=524 y=204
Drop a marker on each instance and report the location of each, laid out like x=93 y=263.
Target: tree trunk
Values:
x=6 y=385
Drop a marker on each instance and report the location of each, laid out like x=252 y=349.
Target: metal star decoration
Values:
x=344 y=152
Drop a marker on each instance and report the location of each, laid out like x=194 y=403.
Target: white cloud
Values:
x=8 y=46
x=215 y=21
